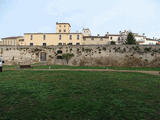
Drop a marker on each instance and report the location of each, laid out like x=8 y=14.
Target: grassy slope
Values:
x=33 y=95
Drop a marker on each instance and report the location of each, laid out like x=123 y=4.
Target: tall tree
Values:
x=131 y=39
x=67 y=56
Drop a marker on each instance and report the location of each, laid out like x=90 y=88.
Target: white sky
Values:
x=101 y=16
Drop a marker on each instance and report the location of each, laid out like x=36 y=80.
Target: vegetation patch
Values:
x=44 y=95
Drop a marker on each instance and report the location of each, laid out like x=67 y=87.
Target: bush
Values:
x=113 y=42
x=133 y=61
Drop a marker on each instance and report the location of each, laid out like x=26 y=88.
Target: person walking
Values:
x=0 y=65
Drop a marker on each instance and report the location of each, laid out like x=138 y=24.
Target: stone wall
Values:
x=83 y=55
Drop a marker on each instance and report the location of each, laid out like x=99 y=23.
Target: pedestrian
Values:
x=0 y=65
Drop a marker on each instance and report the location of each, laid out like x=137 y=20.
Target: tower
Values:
x=63 y=27
x=86 y=32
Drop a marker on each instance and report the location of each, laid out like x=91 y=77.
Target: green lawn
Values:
x=88 y=67
x=94 y=67
x=64 y=95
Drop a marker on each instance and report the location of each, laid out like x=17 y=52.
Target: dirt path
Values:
x=98 y=70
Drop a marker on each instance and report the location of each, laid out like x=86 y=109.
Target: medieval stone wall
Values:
x=123 y=55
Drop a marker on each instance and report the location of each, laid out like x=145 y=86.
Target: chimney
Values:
x=107 y=34
x=120 y=32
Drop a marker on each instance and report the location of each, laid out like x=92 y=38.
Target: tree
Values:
x=130 y=39
x=67 y=56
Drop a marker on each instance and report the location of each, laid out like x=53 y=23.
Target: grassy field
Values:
x=62 y=95
x=94 y=67
x=88 y=67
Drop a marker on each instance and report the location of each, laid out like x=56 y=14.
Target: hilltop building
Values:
x=64 y=36
x=140 y=39
x=13 y=41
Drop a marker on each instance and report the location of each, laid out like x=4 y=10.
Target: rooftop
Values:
x=63 y=23
x=14 y=37
x=52 y=33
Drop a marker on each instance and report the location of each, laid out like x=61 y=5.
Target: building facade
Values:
x=61 y=37
x=95 y=40
x=13 y=41
x=64 y=36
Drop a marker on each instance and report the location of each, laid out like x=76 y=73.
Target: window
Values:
x=77 y=43
x=59 y=43
x=59 y=57
x=59 y=52
x=60 y=37
x=44 y=37
x=31 y=44
x=77 y=37
x=44 y=44
x=70 y=37
x=64 y=30
x=111 y=38
x=31 y=37
x=69 y=43
x=59 y=30
x=64 y=25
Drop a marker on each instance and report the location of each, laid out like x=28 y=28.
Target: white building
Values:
x=140 y=39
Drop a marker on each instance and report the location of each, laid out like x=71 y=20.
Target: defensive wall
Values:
x=106 y=55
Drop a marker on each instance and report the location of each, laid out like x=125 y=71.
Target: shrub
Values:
x=155 y=62
x=113 y=42
x=147 y=49
x=105 y=61
x=133 y=61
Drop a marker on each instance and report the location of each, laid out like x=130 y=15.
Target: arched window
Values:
x=59 y=52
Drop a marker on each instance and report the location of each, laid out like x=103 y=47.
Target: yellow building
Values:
x=63 y=27
x=1 y=43
x=61 y=37
x=95 y=40
x=18 y=40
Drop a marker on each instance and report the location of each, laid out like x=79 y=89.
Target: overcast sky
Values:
x=101 y=16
